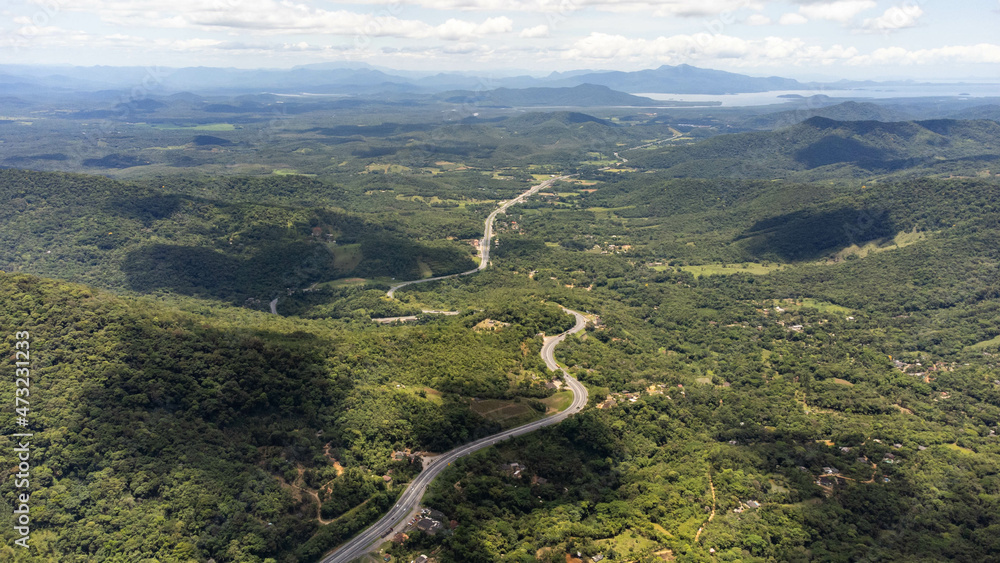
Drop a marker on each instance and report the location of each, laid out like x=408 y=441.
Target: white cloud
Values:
x=792 y=18
x=841 y=11
x=455 y=30
x=758 y=19
x=694 y=8
x=705 y=47
x=533 y=32
x=681 y=8
x=465 y=48
x=273 y=17
x=896 y=17
x=32 y=30
x=988 y=53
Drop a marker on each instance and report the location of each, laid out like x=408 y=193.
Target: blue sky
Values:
x=810 y=39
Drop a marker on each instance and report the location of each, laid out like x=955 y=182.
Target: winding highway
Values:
x=407 y=504
x=484 y=244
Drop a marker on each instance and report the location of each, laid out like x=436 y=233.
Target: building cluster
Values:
x=514 y=469
x=746 y=505
x=428 y=521
x=917 y=369
x=405 y=455
x=615 y=399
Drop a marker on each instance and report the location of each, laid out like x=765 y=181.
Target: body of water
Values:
x=869 y=92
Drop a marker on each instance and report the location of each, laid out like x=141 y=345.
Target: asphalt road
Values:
x=548 y=349
x=484 y=244
x=395 y=520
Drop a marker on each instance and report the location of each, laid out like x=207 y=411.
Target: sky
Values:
x=805 y=39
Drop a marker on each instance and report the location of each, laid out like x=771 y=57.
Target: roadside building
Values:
x=429 y=526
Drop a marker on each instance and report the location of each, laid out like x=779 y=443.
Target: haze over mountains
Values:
x=355 y=79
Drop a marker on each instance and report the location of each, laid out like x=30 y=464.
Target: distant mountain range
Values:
x=362 y=79
x=683 y=79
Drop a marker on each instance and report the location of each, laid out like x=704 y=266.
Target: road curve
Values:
x=484 y=244
x=549 y=348
x=408 y=502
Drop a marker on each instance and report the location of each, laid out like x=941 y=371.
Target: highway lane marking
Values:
x=365 y=540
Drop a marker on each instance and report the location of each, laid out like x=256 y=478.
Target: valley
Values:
x=271 y=328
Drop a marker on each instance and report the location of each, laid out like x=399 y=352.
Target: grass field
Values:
x=344 y=282
x=559 y=401
x=432 y=395
x=985 y=344
x=346 y=256
x=602 y=213
x=823 y=306
x=461 y=203
x=425 y=270
x=628 y=544
x=901 y=240
x=290 y=172
x=958 y=448
x=752 y=268
x=507 y=413
x=450 y=166
x=387 y=168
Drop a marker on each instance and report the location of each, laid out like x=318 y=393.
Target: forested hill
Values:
x=847 y=111
x=144 y=414
x=824 y=148
x=231 y=239
x=225 y=427
x=990 y=111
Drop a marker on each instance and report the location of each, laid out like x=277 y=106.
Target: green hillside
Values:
x=224 y=426
x=846 y=111
x=824 y=148
x=201 y=239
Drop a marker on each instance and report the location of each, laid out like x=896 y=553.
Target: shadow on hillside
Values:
x=190 y=412
x=808 y=234
x=271 y=268
x=146 y=209
x=205 y=272
x=182 y=269
x=833 y=149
